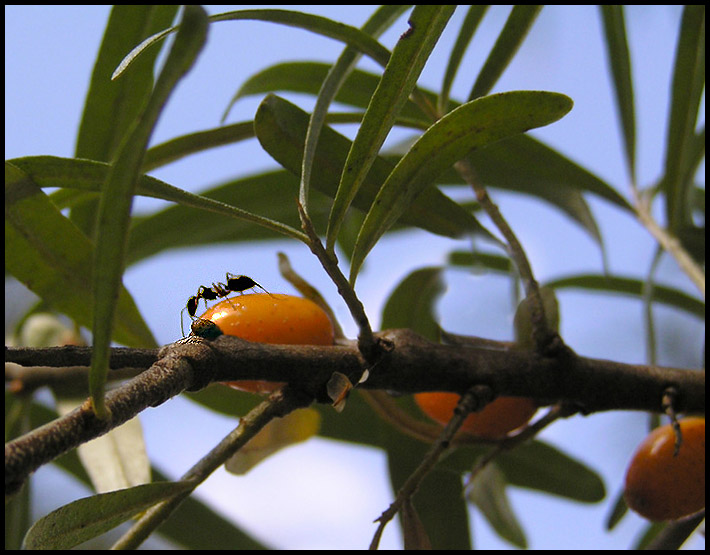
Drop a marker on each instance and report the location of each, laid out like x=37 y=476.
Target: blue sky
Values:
x=49 y=54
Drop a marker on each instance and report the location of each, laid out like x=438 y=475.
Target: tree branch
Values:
x=414 y=364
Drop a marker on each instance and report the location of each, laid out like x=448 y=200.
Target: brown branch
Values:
x=414 y=364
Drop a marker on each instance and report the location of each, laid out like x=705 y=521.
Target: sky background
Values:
x=288 y=501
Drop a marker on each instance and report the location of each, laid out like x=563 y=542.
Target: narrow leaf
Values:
x=295 y=427
x=117 y=198
x=415 y=536
x=620 y=66
x=307 y=78
x=427 y=22
x=488 y=492
x=511 y=37
x=539 y=466
x=90 y=517
x=634 y=288
x=470 y=126
x=316 y=24
x=377 y=24
x=686 y=94
x=468 y=28
x=111 y=107
x=87 y=175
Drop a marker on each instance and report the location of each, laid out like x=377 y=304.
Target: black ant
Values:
x=235 y=284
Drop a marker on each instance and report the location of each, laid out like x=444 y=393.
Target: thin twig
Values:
x=542 y=335
x=668 y=242
x=366 y=339
x=474 y=399
x=278 y=404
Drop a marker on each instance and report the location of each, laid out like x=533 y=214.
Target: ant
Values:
x=235 y=284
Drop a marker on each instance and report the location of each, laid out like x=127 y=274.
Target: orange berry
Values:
x=278 y=319
x=660 y=486
x=496 y=419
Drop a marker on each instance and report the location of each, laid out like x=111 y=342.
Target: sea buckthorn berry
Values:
x=271 y=318
x=660 y=486
x=496 y=419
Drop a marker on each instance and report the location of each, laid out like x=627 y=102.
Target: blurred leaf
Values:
x=526 y=165
x=117 y=198
x=539 y=466
x=686 y=95
x=482 y=262
x=411 y=305
x=618 y=512
x=89 y=517
x=278 y=434
x=281 y=128
x=52 y=257
x=115 y=460
x=415 y=536
x=474 y=15
x=488 y=492
x=193 y=524
x=468 y=127
x=632 y=287
x=617 y=50
x=511 y=37
x=426 y=23
x=439 y=500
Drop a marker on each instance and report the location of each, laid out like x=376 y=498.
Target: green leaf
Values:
x=193 y=524
x=470 y=126
x=468 y=28
x=117 y=198
x=281 y=128
x=488 y=492
x=112 y=106
x=539 y=466
x=89 y=517
x=439 y=501
x=87 y=175
x=411 y=305
x=316 y=24
x=686 y=94
x=427 y=22
x=378 y=23
x=307 y=78
x=52 y=257
x=634 y=288
x=620 y=65
x=192 y=143
x=511 y=37
x=524 y=164
x=270 y=194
